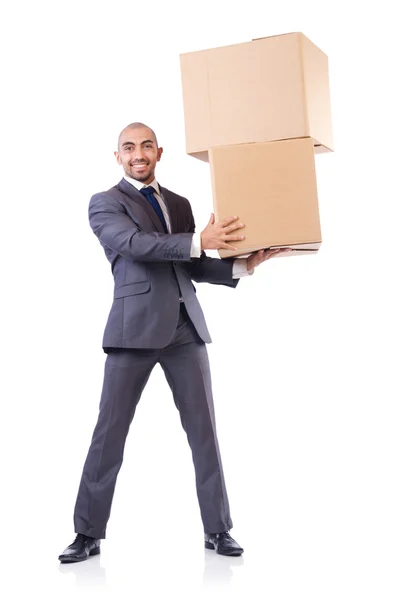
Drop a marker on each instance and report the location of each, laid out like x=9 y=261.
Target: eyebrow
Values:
x=133 y=143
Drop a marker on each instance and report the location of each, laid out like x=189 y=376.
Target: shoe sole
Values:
x=69 y=559
x=210 y=546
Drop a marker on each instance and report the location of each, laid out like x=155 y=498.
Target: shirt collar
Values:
x=139 y=185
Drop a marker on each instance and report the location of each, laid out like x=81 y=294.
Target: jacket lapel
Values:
x=172 y=209
x=136 y=196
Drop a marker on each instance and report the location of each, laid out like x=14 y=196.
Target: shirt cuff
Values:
x=195 y=250
x=240 y=268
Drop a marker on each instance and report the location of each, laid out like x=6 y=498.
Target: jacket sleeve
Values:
x=210 y=270
x=116 y=230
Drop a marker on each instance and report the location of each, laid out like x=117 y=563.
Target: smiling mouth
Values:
x=139 y=166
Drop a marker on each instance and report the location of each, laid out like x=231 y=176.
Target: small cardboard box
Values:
x=272 y=188
x=273 y=88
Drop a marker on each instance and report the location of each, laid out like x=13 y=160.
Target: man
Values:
x=148 y=235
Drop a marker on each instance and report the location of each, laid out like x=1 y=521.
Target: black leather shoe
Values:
x=82 y=547
x=223 y=543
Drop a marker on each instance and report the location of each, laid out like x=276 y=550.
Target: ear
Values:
x=159 y=153
x=117 y=155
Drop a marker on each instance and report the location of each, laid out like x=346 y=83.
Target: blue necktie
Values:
x=148 y=193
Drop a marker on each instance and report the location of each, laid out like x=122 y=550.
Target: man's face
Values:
x=138 y=154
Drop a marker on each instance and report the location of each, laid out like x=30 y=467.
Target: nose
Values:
x=138 y=154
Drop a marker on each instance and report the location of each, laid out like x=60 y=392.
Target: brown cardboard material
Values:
x=273 y=88
x=272 y=188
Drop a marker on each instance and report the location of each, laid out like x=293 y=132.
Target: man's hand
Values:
x=259 y=257
x=216 y=235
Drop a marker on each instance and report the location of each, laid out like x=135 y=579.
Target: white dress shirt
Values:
x=239 y=265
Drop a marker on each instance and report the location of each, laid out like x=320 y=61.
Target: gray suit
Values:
x=148 y=324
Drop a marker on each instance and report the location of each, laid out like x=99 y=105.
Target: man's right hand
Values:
x=216 y=235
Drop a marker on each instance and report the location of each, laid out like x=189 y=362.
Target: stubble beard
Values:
x=141 y=178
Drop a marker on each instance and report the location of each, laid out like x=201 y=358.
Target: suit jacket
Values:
x=151 y=269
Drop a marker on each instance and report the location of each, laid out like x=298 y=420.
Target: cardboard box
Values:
x=273 y=88
x=272 y=188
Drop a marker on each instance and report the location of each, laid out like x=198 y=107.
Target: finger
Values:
x=227 y=221
x=273 y=252
x=258 y=260
x=233 y=238
x=233 y=227
x=212 y=219
x=267 y=254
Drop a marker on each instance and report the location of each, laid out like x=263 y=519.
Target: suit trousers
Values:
x=186 y=368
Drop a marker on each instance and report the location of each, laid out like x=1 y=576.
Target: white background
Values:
x=304 y=352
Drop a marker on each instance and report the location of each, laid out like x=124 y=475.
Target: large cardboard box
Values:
x=273 y=88
x=272 y=188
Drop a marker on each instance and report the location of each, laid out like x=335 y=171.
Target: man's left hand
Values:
x=259 y=257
